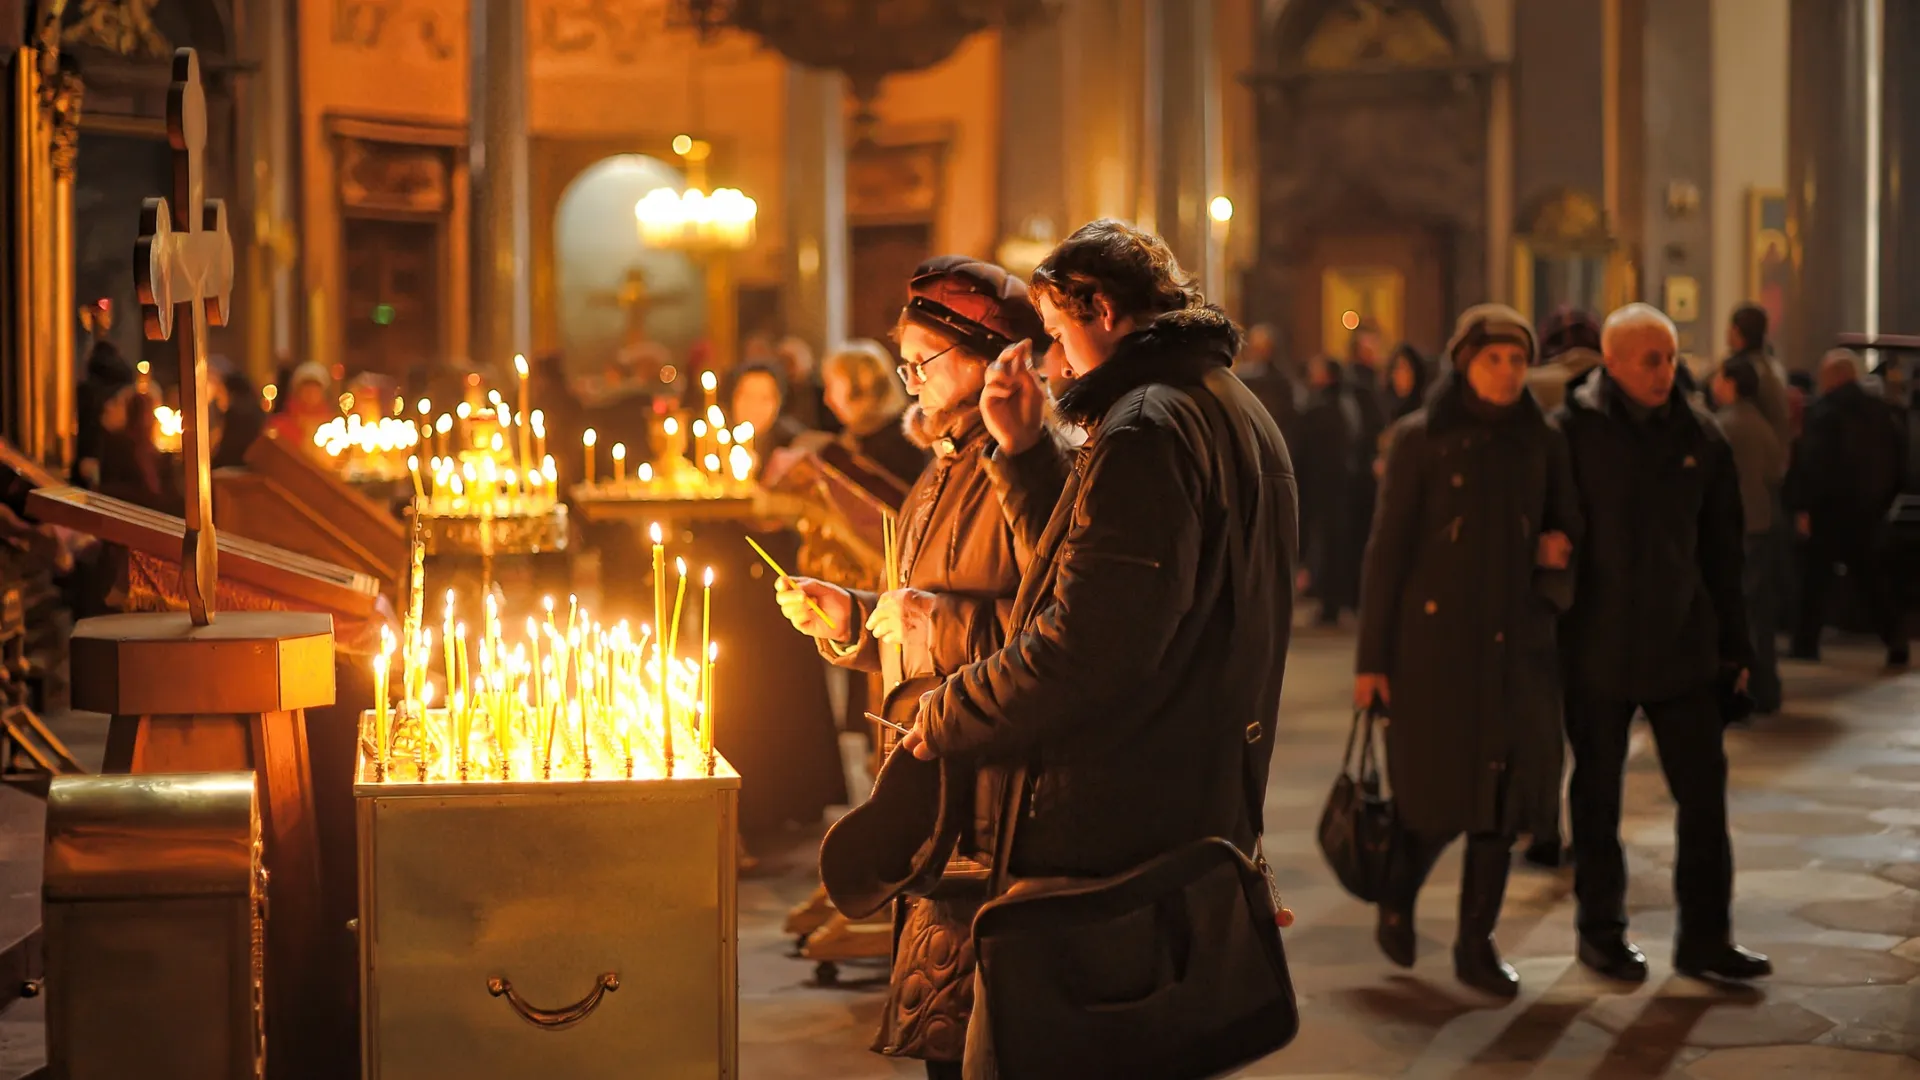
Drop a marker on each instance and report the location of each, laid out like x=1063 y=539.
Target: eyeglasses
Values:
x=918 y=368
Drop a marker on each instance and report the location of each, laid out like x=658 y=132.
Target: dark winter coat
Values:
x=1661 y=612
x=956 y=544
x=1851 y=461
x=1328 y=450
x=1140 y=686
x=1458 y=616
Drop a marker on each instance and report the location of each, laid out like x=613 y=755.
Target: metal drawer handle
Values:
x=555 y=1019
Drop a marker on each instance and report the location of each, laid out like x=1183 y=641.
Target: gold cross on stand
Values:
x=184 y=259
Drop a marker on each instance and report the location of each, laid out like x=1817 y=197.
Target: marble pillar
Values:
x=1826 y=176
x=1900 y=169
x=1676 y=240
x=1182 y=148
x=497 y=117
x=816 y=177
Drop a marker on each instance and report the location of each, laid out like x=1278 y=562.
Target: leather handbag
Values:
x=1359 y=827
x=1173 y=970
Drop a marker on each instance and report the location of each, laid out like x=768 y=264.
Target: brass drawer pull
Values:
x=555 y=1019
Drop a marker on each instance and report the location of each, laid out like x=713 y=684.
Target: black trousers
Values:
x=1687 y=732
x=1861 y=548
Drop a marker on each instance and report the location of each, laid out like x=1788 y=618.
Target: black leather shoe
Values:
x=1477 y=963
x=1394 y=934
x=1617 y=959
x=1729 y=961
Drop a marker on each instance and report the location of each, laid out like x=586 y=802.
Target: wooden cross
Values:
x=184 y=258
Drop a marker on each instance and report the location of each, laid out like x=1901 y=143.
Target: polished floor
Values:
x=1826 y=813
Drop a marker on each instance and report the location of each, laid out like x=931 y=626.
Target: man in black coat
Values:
x=1659 y=624
x=1850 y=466
x=1133 y=705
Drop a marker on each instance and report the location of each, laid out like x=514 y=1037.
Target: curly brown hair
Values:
x=1134 y=269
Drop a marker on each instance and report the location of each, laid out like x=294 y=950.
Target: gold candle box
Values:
x=577 y=928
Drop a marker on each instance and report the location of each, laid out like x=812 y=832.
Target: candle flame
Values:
x=619 y=451
x=646 y=472
x=444 y=424
x=708 y=382
x=680 y=565
x=590 y=437
x=671 y=426
x=540 y=423
x=520 y=364
x=707 y=578
x=699 y=429
x=425 y=407
x=654 y=532
x=464 y=411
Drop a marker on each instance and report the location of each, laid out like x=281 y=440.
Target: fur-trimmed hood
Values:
x=952 y=428
x=1178 y=348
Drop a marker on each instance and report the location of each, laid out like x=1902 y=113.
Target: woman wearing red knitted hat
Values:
x=914 y=841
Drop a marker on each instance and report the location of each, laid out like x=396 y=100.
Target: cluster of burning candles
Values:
x=570 y=699
x=368 y=448
x=721 y=461
x=497 y=467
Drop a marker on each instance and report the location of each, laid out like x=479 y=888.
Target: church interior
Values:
x=458 y=350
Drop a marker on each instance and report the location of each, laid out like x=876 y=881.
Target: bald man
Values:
x=1659 y=626
x=1849 y=468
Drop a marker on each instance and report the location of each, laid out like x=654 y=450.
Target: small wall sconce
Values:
x=1683 y=198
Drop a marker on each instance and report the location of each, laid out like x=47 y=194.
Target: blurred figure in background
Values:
x=759 y=397
x=1849 y=467
x=1328 y=449
x=1760 y=456
x=306 y=404
x=1274 y=386
x=1747 y=345
x=108 y=374
x=1409 y=377
x=806 y=399
x=1569 y=351
x=244 y=417
x=864 y=395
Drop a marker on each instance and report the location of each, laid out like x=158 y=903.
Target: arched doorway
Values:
x=617 y=300
x=1372 y=117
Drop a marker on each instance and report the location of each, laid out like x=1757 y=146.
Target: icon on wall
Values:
x=1769 y=256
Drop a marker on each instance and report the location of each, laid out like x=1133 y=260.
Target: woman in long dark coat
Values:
x=1466 y=570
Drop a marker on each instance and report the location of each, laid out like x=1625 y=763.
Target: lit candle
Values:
x=539 y=436
x=713 y=463
x=382 y=673
x=526 y=454
x=413 y=466
x=709 y=383
x=465 y=413
x=588 y=441
x=619 y=463
x=660 y=620
x=679 y=598
x=706 y=667
x=646 y=472
x=441 y=427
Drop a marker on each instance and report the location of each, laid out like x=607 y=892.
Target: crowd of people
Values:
x=1541 y=537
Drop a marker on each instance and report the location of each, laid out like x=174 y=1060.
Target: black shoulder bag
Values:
x=1171 y=971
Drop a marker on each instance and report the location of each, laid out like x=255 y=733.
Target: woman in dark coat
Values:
x=1409 y=378
x=1465 y=573
x=959 y=559
x=1329 y=434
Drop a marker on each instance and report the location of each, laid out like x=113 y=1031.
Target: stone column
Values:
x=64 y=150
x=1826 y=176
x=1677 y=170
x=1900 y=169
x=817 y=245
x=1181 y=158
x=497 y=118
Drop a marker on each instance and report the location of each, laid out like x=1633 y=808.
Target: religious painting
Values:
x=1353 y=295
x=1769 y=256
x=888 y=185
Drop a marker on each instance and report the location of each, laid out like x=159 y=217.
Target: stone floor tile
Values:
x=1802 y=964
x=1802 y=1063
x=1709 y=1020
x=1896 y=914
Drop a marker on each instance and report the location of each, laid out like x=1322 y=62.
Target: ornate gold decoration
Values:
x=363 y=23
x=394 y=177
x=1375 y=33
x=622 y=29
x=121 y=27
x=68 y=93
x=1570 y=219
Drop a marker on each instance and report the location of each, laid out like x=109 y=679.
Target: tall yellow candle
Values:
x=539 y=437
x=526 y=451
x=619 y=463
x=589 y=441
x=679 y=597
x=382 y=674
x=660 y=620
x=706 y=664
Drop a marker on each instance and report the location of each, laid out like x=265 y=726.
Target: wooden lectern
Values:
x=188 y=692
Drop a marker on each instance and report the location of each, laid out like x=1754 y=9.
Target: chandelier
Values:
x=695 y=220
x=867 y=40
